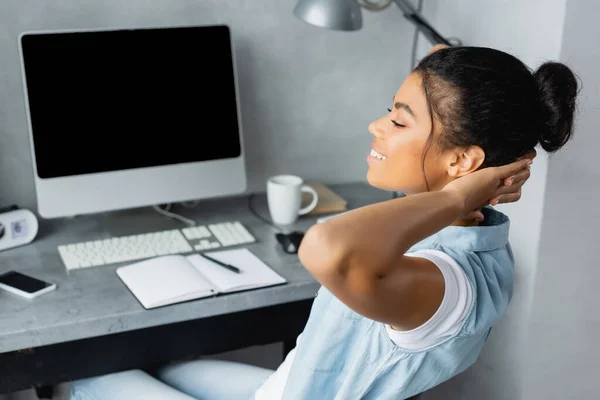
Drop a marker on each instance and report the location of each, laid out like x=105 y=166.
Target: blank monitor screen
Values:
x=113 y=100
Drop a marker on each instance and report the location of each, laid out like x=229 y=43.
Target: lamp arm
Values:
x=416 y=18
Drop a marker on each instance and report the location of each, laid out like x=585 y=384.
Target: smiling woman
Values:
x=434 y=270
x=411 y=287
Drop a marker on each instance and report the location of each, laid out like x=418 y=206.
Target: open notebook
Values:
x=165 y=280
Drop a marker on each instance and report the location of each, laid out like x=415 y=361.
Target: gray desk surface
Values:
x=94 y=302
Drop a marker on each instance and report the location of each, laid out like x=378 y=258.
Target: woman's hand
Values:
x=480 y=188
x=520 y=178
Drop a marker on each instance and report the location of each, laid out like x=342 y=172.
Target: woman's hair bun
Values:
x=558 y=88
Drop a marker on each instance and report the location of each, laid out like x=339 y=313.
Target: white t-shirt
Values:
x=444 y=323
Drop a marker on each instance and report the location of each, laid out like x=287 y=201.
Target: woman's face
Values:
x=395 y=162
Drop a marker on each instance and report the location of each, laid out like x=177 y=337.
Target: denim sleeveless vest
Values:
x=345 y=356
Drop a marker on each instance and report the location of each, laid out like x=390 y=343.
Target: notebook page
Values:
x=254 y=272
x=164 y=280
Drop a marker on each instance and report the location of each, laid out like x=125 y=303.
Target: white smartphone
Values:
x=24 y=285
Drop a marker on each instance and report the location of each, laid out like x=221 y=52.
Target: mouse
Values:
x=290 y=242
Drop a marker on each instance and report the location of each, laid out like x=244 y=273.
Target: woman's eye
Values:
x=397 y=124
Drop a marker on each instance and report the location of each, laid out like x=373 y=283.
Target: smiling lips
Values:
x=377 y=155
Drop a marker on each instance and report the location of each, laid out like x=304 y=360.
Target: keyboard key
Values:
x=244 y=232
x=237 y=236
x=203 y=232
x=189 y=233
x=221 y=234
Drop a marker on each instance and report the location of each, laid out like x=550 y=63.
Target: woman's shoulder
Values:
x=478 y=288
x=490 y=274
x=482 y=254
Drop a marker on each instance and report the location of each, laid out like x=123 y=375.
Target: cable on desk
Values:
x=169 y=214
x=253 y=211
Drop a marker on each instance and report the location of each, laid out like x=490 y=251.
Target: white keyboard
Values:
x=137 y=247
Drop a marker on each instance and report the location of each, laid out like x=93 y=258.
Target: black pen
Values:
x=222 y=264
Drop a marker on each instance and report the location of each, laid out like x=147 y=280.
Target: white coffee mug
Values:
x=284 y=196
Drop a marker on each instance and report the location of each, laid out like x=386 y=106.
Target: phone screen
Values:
x=23 y=282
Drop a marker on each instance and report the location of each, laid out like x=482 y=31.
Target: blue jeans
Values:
x=195 y=380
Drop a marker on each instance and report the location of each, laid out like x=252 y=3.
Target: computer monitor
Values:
x=125 y=118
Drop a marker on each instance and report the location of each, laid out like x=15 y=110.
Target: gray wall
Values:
x=307 y=94
x=532 y=31
x=562 y=349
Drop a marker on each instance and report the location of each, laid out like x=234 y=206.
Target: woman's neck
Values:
x=459 y=221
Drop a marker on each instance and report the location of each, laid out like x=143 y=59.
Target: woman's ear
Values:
x=465 y=161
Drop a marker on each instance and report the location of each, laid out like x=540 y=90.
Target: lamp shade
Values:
x=341 y=15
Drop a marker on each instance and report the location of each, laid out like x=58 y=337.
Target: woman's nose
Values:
x=376 y=129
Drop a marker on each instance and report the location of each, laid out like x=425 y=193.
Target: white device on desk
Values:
x=137 y=247
x=124 y=118
x=17 y=227
x=24 y=285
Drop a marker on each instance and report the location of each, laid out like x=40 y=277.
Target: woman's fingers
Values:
x=511 y=193
x=516 y=186
x=530 y=154
x=519 y=177
x=506 y=171
x=476 y=215
x=508 y=198
x=508 y=194
x=512 y=185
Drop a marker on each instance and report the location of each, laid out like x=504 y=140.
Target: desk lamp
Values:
x=345 y=15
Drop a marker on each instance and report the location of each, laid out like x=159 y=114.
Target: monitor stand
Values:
x=138 y=221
